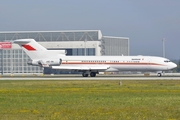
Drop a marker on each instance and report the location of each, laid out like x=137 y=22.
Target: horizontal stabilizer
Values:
x=22 y=41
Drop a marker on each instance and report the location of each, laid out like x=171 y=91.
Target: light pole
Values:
x=163 y=42
x=85 y=47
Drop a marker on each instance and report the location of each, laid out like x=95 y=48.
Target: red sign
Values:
x=5 y=45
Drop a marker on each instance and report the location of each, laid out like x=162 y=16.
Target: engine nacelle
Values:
x=45 y=62
x=33 y=62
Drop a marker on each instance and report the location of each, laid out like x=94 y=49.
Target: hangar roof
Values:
x=43 y=36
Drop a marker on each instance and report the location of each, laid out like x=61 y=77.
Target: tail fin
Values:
x=36 y=51
x=29 y=45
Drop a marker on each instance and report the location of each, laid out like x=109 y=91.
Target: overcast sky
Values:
x=144 y=22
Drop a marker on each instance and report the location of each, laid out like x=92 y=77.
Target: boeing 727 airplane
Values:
x=91 y=65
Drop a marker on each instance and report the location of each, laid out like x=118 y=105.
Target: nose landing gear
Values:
x=159 y=74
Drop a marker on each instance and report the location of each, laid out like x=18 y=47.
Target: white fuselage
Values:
x=56 y=59
x=120 y=63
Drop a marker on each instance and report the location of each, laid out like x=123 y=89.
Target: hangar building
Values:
x=75 y=42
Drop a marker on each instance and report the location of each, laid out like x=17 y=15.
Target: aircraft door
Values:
x=148 y=67
x=60 y=61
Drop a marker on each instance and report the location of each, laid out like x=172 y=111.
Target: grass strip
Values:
x=102 y=100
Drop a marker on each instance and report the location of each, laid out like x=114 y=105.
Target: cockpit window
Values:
x=167 y=61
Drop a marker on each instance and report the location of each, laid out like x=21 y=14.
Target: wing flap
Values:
x=80 y=67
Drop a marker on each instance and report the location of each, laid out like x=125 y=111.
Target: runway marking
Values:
x=89 y=78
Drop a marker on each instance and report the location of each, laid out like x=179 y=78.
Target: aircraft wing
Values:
x=81 y=67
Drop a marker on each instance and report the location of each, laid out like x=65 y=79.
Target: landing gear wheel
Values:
x=93 y=74
x=159 y=74
x=85 y=75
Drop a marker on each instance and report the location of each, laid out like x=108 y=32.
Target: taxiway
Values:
x=78 y=77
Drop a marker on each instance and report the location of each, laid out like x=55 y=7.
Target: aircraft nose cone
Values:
x=171 y=66
x=175 y=65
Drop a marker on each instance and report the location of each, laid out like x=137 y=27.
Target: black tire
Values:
x=159 y=74
x=85 y=75
x=93 y=74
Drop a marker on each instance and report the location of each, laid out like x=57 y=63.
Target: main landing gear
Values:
x=84 y=74
x=92 y=74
